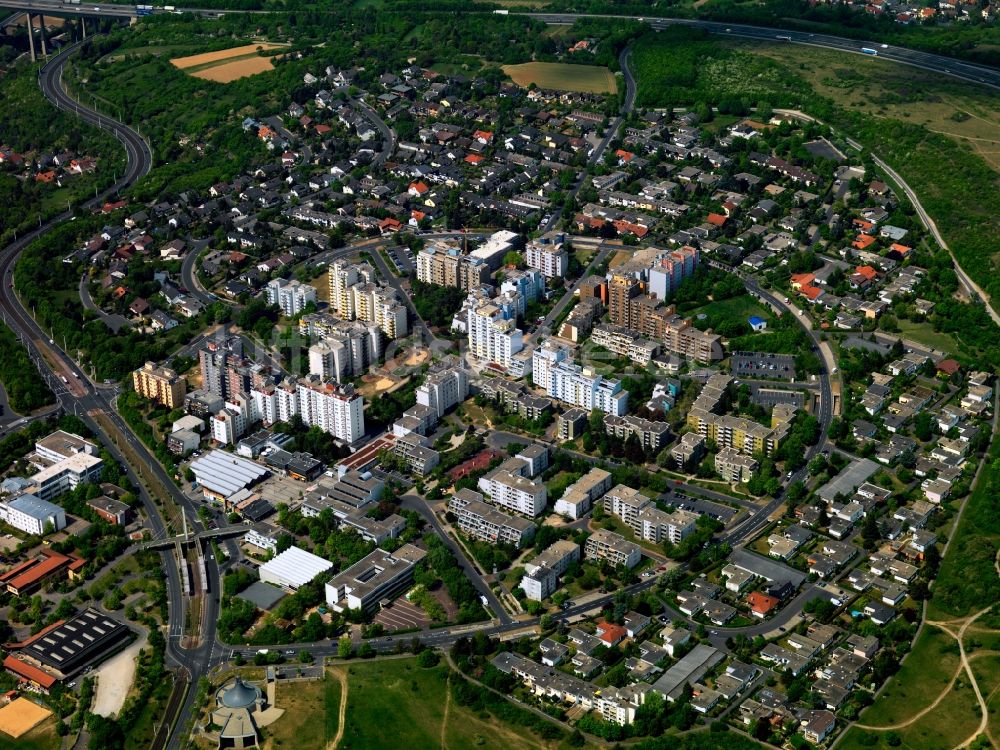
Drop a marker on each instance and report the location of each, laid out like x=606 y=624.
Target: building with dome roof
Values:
x=241 y=708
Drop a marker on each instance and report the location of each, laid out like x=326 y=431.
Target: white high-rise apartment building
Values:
x=291 y=296
x=492 y=336
x=336 y=409
x=548 y=255
x=442 y=390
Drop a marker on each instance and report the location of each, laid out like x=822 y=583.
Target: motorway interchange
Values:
x=84 y=398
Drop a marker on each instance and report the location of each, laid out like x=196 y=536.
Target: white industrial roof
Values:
x=294 y=567
x=225 y=473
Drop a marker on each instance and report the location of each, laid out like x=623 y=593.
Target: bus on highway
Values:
x=869 y=51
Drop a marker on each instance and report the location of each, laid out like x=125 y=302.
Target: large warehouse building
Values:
x=293 y=568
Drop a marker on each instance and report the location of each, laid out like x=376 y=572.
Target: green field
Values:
x=302 y=702
x=740 y=308
x=924 y=333
x=423 y=714
x=42 y=737
x=924 y=674
x=589 y=79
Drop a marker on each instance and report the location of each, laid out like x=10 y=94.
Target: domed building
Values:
x=239 y=706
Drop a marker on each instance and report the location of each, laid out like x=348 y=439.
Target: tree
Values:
x=345 y=649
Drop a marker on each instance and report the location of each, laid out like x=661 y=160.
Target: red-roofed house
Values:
x=474 y=159
x=948 y=367
x=389 y=225
x=761 y=604
x=610 y=633
x=46 y=177
x=800 y=280
x=862 y=225
x=624 y=157
x=483 y=136
x=626 y=227
x=323 y=129
x=902 y=250
x=863 y=242
x=266 y=133
x=867 y=271
x=811 y=293
x=717 y=220
x=418 y=187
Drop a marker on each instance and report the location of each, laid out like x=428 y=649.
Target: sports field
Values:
x=589 y=79
x=223 y=66
x=21 y=716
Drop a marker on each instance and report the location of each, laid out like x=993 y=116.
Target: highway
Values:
x=949 y=66
x=81 y=397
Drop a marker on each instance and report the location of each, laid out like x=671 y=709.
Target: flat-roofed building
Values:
x=33 y=515
x=733 y=466
x=160 y=384
x=578 y=498
x=612 y=547
x=377 y=576
x=293 y=568
x=655 y=525
x=515 y=492
x=443 y=390
x=571 y=423
x=626 y=503
x=65 y=475
x=113 y=511
x=60 y=445
x=536 y=456
x=483 y=521
x=689 y=450
x=651 y=435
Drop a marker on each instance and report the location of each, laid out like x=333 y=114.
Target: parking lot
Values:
x=763 y=365
x=401 y=615
x=401 y=257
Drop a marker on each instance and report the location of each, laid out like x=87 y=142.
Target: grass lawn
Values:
x=302 y=703
x=924 y=333
x=42 y=737
x=563 y=77
x=741 y=307
x=924 y=674
x=422 y=711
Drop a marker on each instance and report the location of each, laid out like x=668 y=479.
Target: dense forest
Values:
x=25 y=389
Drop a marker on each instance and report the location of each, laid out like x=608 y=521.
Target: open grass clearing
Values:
x=304 y=703
x=741 y=307
x=924 y=333
x=925 y=673
x=563 y=77
x=417 y=699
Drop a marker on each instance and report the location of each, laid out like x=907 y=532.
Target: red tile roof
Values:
x=28 y=672
x=762 y=603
